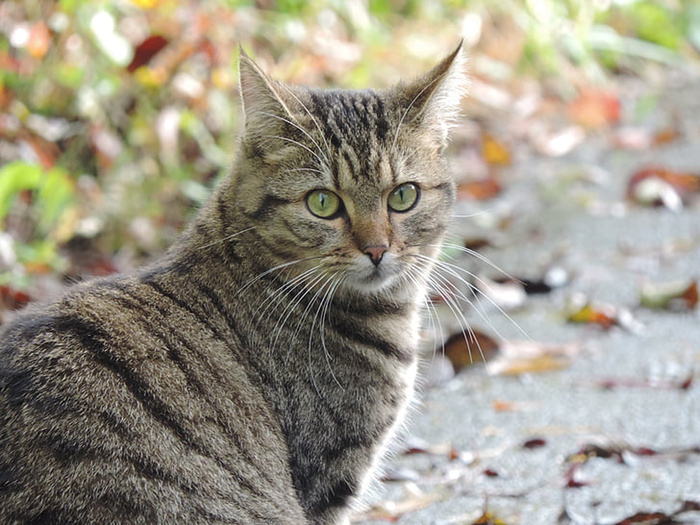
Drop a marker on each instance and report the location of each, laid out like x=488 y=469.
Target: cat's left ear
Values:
x=265 y=101
x=433 y=100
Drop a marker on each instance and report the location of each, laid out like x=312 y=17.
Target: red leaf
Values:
x=13 y=299
x=645 y=451
x=595 y=108
x=683 y=183
x=145 y=51
x=657 y=518
x=480 y=190
x=534 y=443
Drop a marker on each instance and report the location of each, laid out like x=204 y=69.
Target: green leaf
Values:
x=56 y=190
x=15 y=177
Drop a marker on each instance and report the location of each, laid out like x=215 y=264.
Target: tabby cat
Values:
x=258 y=371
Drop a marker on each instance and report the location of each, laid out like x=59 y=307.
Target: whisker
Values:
x=287 y=286
x=467 y=331
x=313 y=119
x=323 y=309
x=314 y=170
x=304 y=146
x=306 y=133
x=289 y=309
x=227 y=238
x=433 y=316
x=453 y=270
x=477 y=255
x=275 y=268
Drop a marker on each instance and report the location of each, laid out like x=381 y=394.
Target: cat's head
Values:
x=349 y=186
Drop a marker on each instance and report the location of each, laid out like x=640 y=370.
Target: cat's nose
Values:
x=375 y=253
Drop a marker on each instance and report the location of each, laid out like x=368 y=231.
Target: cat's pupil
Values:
x=404 y=197
x=323 y=204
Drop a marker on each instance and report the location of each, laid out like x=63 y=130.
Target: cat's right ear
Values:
x=264 y=109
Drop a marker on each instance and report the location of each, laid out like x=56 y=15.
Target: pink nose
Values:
x=375 y=253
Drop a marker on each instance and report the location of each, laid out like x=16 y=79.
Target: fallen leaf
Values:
x=12 y=299
x=532 y=365
x=648 y=518
x=507 y=295
x=658 y=186
x=401 y=474
x=632 y=138
x=525 y=357
x=494 y=151
x=480 y=190
x=666 y=135
x=464 y=349
x=674 y=296
x=513 y=406
x=560 y=142
x=595 y=108
x=571 y=474
x=626 y=382
x=487 y=518
x=145 y=51
x=534 y=443
x=393 y=510
x=590 y=315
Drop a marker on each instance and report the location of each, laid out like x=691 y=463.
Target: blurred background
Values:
x=117 y=117
x=578 y=170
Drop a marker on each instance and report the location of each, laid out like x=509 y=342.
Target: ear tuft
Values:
x=258 y=93
x=433 y=100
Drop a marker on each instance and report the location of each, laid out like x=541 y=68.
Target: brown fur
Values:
x=258 y=371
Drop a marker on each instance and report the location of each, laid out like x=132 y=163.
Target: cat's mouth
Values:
x=375 y=278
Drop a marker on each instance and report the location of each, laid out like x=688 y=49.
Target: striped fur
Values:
x=258 y=371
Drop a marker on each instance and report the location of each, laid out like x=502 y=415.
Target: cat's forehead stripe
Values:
x=343 y=114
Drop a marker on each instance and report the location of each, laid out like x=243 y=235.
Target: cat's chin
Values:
x=372 y=280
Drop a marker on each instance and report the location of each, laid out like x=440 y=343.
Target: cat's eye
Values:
x=322 y=203
x=404 y=197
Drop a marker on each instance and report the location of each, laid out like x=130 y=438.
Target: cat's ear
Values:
x=433 y=100
x=265 y=101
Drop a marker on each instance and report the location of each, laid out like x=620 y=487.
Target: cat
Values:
x=259 y=370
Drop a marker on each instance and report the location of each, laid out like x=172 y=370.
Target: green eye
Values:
x=322 y=203
x=404 y=197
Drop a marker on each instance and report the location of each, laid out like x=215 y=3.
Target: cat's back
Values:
x=110 y=407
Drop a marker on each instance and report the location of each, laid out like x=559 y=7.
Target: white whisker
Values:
x=275 y=268
x=306 y=133
x=453 y=270
x=436 y=282
x=227 y=238
x=296 y=142
x=313 y=119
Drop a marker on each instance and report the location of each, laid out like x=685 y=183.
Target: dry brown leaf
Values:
x=466 y=349
x=527 y=357
x=480 y=190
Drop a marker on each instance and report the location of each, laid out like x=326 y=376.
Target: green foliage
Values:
x=53 y=189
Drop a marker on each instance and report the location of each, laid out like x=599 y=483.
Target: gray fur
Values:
x=258 y=371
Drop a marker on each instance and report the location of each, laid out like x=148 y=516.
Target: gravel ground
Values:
x=617 y=429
